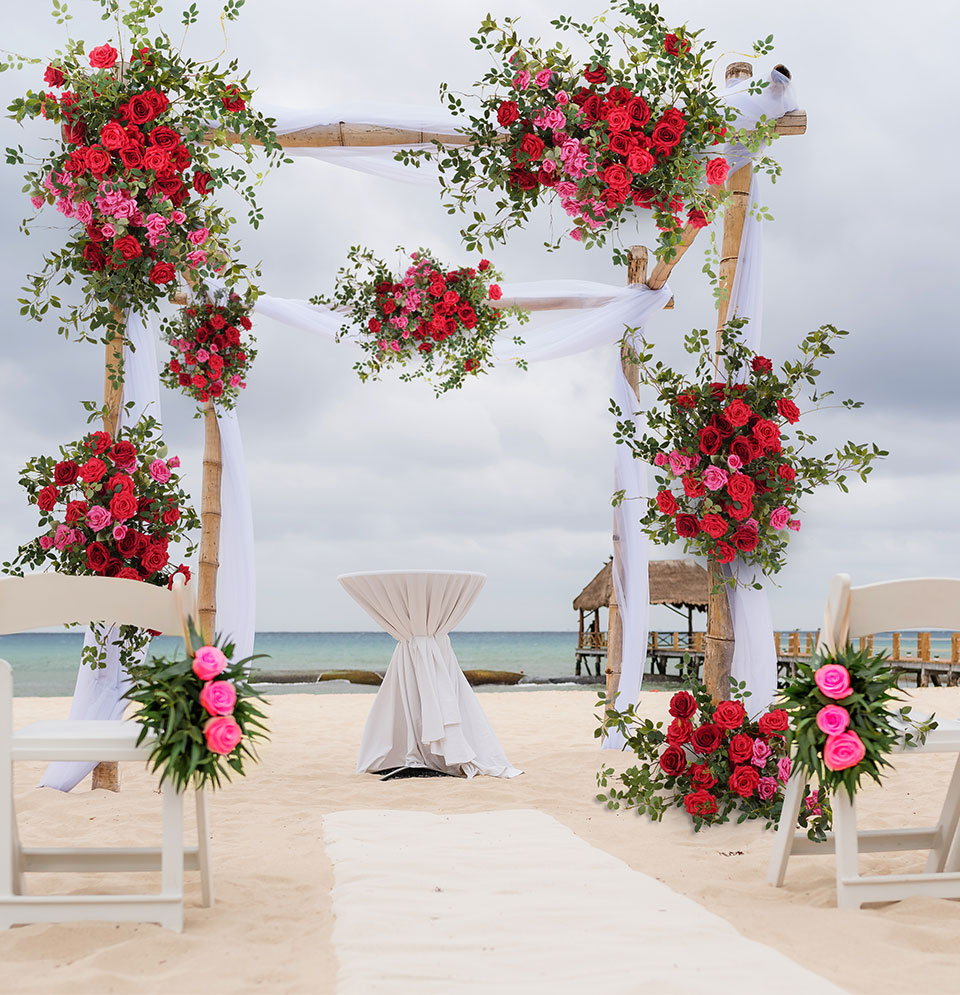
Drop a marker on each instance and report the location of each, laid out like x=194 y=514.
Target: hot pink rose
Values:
x=780 y=517
x=766 y=788
x=783 y=768
x=222 y=734
x=714 y=477
x=159 y=471
x=844 y=750
x=218 y=697
x=98 y=518
x=833 y=679
x=833 y=719
x=45 y=542
x=761 y=753
x=208 y=661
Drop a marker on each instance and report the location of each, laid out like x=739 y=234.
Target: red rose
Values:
x=786 y=472
x=744 y=449
x=91 y=471
x=675 y=46
x=155 y=558
x=739 y=510
x=788 y=409
x=621 y=143
x=700 y=803
x=744 y=781
x=592 y=108
x=65 y=473
x=128 y=573
x=724 y=553
x=639 y=111
x=683 y=705
x=701 y=776
x=158 y=102
x=673 y=761
x=124 y=454
x=53 y=76
x=123 y=505
x=98 y=559
x=201 y=182
x=103 y=57
x=745 y=539
x=740 y=487
x=47 y=498
x=740 y=748
x=696 y=218
x=666 y=137
x=710 y=440
x=760 y=364
x=766 y=433
x=679 y=732
x=99 y=442
x=163 y=273
x=717 y=170
x=595 y=76
x=121 y=481
x=98 y=160
x=729 y=714
x=687 y=526
x=232 y=99
x=158 y=160
x=722 y=424
x=618 y=118
x=507 y=113
x=131 y=156
x=128 y=545
x=164 y=138
x=774 y=722
x=137 y=110
x=667 y=502
x=76 y=510
x=532 y=146
x=616 y=176
x=113 y=136
x=706 y=739
x=523 y=178
x=737 y=413
x=713 y=525
x=94 y=257
x=171 y=516
x=128 y=247
x=686 y=401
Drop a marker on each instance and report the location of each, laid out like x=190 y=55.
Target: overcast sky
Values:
x=513 y=474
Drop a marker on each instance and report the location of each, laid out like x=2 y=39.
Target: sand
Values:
x=270 y=929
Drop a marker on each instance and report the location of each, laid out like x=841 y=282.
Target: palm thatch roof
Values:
x=681 y=583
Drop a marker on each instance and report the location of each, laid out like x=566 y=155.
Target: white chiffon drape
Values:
x=425 y=713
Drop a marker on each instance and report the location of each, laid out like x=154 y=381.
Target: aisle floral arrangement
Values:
x=844 y=720
x=141 y=129
x=211 y=354
x=203 y=713
x=436 y=322
x=109 y=506
x=607 y=133
x=713 y=761
x=730 y=477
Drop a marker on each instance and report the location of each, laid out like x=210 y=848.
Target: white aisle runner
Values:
x=513 y=901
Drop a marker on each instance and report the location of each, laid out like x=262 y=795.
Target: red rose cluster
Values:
x=727 y=485
x=719 y=759
x=212 y=357
x=109 y=507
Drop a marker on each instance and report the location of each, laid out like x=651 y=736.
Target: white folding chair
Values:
x=55 y=599
x=926 y=603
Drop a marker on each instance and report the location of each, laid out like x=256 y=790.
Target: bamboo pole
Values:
x=718 y=655
x=210 y=513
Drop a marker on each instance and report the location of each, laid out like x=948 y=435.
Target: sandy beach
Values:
x=270 y=929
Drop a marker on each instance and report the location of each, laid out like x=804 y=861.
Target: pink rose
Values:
x=173 y=462
x=98 y=518
x=843 y=750
x=208 y=661
x=178 y=217
x=761 y=753
x=679 y=463
x=159 y=471
x=543 y=78
x=734 y=462
x=199 y=236
x=779 y=517
x=45 y=542
x=218 y=697
x=522 y=80
x=783 y=768
x=812 y=802
x=714 y=477
x=833 y=679
x=660 y=460
x=119 y=531
x=794 y=524
x=222 y=734
x=833 y=719
x=766 y=788
x=37 y=201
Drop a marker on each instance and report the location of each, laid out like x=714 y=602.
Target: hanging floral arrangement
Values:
x=604 y=132
x=141 y=128
x=109 y=506
x=435 y=322
x=732 y=459
x=212 y=350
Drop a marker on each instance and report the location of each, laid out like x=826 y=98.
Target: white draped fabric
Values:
x=98 y=694
x=425 y=713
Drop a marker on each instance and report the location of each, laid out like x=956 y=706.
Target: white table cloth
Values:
x=425 y=713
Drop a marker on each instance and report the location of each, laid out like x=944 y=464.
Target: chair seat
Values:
x=80 y=739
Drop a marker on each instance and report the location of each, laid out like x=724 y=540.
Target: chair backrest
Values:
x=918 y=603
x=57 y=599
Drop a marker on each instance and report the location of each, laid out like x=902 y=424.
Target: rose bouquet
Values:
x=442 y=322
x=109 y=507
x=729 y=476
x=712 y=760
x=134 y=171
x=202 y=711
x=843 y=718
x=605 y=134
x=211 y=354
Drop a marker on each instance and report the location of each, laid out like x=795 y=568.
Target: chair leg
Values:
x=786 y=828
x=847 y=849
x=203 y=849
x=171 y=855
x=946 y=826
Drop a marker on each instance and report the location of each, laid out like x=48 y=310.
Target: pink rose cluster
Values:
x=218 y=698
x=843 y=748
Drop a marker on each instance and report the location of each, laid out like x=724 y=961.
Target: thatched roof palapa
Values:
x=681 y=583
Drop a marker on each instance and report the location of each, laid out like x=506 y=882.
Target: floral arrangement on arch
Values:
x=730 y=477
x=436 y=322
x=202 y=711
x=607 y=132
x=713 y=761
x=135 y=169
x=212 y=355
x=843 y=718
x=109 y=506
